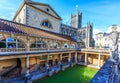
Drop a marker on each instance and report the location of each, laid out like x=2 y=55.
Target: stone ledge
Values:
x=103 y=75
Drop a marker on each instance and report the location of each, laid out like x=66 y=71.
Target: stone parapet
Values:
x=104 y=74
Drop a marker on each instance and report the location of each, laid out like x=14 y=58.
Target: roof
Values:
x=31 y=3
x=67 y=26
x=17 y=28
x=43 y=4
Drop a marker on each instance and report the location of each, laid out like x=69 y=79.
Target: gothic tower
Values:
x=89 y=34
x=76 y=20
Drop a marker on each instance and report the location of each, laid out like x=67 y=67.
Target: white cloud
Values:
x=3 y=17
x=95 y=31
x=110 y=30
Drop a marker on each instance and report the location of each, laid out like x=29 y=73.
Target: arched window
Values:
x=11 y=43
x=55 y=45
x=39 y=44
x=46 y=23
x=66 y=45
x=84 y=34
x=73 y=46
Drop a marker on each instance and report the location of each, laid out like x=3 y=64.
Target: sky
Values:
x=102 y=13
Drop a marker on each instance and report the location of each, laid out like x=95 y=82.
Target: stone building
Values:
x=33 y=44
x=103 y=40
x=38 y=15
x=83 y=35
x=42 y=16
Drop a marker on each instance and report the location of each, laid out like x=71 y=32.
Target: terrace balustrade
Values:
x=31 y=49
x=96 y=50
x=12 y=49
x=38 y=49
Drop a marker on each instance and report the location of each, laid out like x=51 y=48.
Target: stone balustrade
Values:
x=31 y=49
x=96 y=50
x=37 y=49
x=12 y=49
x=104 y=74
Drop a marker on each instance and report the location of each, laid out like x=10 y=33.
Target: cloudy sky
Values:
x=102 y=13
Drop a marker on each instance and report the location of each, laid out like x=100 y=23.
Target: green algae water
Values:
x=76 y=74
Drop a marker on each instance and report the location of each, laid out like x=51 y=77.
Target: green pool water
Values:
x=76 y=74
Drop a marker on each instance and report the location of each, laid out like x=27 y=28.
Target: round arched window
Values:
x=46 y=23
x=39 y=44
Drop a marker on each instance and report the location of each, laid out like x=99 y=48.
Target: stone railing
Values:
x=104 y=74
x=12 y=49
x=31 y=49
x=96 y=50
x=37 y=49
x=54 y=48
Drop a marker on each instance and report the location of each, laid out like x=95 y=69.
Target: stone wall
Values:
x=21 y=17
x=7 y=63
x=36 y=17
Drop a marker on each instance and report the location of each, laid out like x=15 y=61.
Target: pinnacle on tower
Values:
x=27 y=0
x=77 y=10
x=71 y=15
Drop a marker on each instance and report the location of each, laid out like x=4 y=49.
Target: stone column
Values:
x=28 y=45
x=69 y=57
x=75 y=57
x=27 y=76
x=60 y=59
x=48 y=45
x=47 y=61
x=79 y=58
x=27 y=64
x=86 y=58
x=99 y=60
x=60 y=62
x=61 y=46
